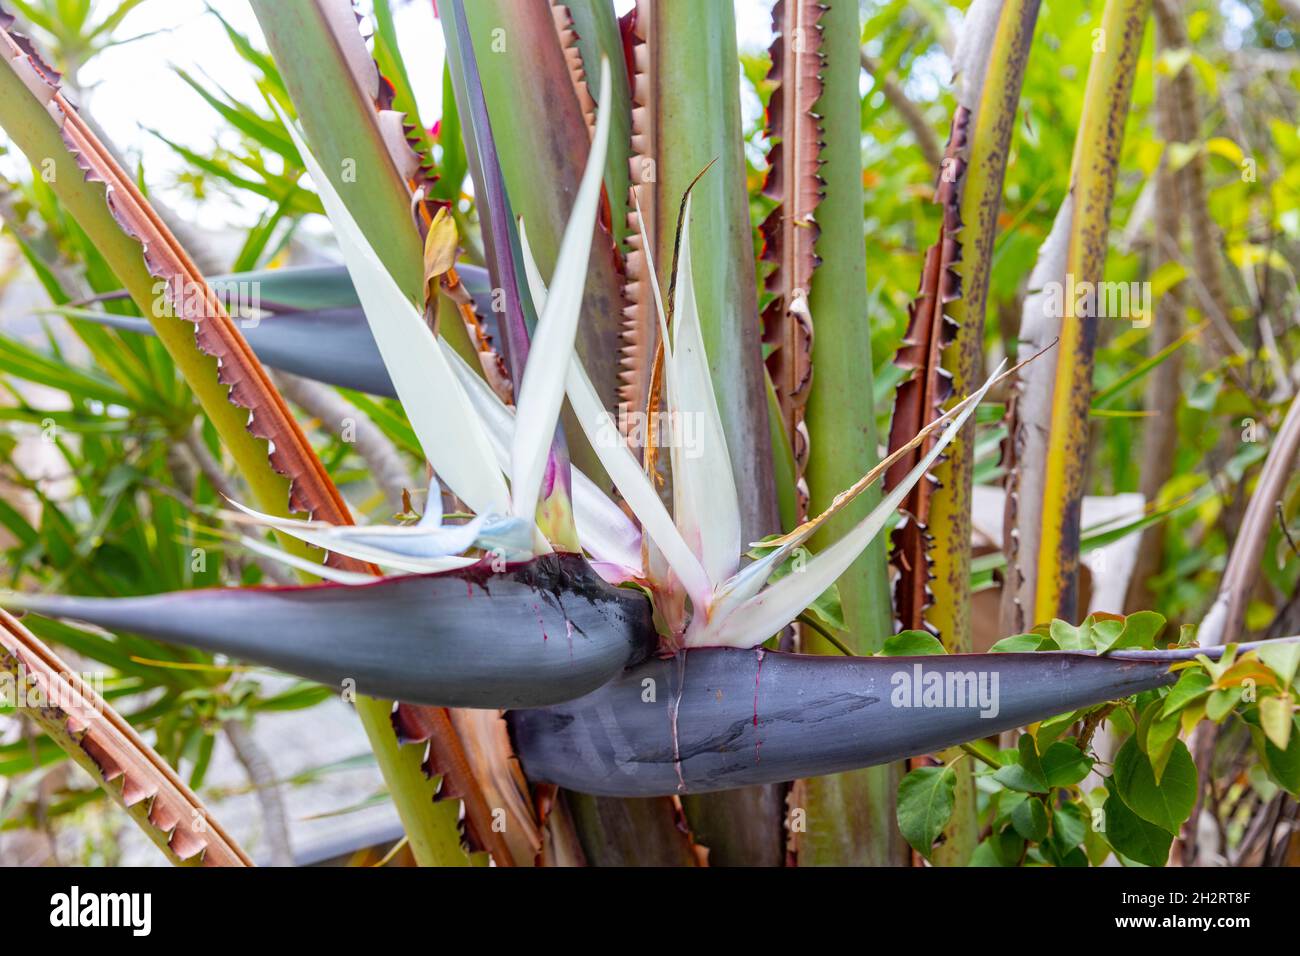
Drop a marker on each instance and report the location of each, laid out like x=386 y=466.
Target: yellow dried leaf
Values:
x=439 y=250
x=1275 y=718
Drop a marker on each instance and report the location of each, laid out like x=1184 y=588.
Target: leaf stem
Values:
x=839 y=645
x=967 y=748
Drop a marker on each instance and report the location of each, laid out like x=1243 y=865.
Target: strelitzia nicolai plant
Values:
x=527 y=605
x=467 y=445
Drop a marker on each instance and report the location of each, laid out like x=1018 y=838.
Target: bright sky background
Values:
x=133 y=87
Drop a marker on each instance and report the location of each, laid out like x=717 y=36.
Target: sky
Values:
x=134 y=87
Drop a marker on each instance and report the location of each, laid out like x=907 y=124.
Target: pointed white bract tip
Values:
x=533 y=275
x=541 y=393
x=707 y=505
x=323 y=571
x=449 y=431
x=414 y=549
x=745 y=619
x=432 y=517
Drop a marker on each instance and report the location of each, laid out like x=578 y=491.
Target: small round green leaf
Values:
x=1191 y=685
x=912 y=644
x=1065 y=765
x=925 y=802
x=1167 y=803
x=1134 y=837
x=1030 y=820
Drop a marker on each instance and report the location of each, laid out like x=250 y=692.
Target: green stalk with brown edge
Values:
x=329 y=80
x=32 y=127
x=339 y=120
x=850 y=816
x=341 y=124
x=100 y=741
x=542 y=139
x=597 y=35
x=995 y=109
x=553 y=75
x=555 y=116
x=432 y=828
x=695 y=113
x=1099 y=141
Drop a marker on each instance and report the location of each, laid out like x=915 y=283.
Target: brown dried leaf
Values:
x=107 y=747
x=573 y=59
x=491 y=757
x=448 y=757
x=561 y=843
x=640 y=335
x=922 y=395
x=790 y=230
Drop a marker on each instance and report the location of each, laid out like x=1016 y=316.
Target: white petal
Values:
x=604 y=530
x=373 y=549
x=337 y=575
x=541 y=393
x=436 y=405
x=707 y=509
x=633 y=483
x=432 y=517
x=759 y=617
